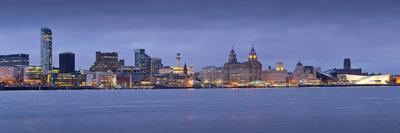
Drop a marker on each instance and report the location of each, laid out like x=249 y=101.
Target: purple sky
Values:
x=317 y=32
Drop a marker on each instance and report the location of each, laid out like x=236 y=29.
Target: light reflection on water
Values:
x=308 y=110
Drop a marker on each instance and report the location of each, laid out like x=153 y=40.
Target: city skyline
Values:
x=316 y=38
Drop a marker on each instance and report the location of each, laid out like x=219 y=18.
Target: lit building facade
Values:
x=128 y=76
x=143 y=61
x=397 y=79
x=8 y=75
x=212 y=75
x=46 y=51
x=156 y=65
x=365 y=79
x=242 y=73
x=69 y=80
x=176 y=76
x=101 y=79
x=278 y=76
x=304 y=75
x=106 y=62
x=67 y=62
x=14 y=60
x=32 y=75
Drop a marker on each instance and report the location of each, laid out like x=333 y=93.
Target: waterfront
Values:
x=303 y=110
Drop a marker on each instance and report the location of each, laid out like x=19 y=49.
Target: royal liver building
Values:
x=242 y=73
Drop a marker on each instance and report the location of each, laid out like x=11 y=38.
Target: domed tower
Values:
x=254 y=67
x=232 y=57
x=252 y=54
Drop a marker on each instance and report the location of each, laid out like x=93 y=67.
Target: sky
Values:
x=316 y=32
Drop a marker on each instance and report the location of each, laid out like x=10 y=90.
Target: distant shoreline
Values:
x=94 y=88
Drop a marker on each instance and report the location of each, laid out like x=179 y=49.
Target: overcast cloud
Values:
x=317 y=32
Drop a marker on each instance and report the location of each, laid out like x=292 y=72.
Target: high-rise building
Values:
x=67 y=62
x=46 y=53
x=242 y=73
x=14 y=60
x=143 y=61
x=156 y=64
x=106 y=62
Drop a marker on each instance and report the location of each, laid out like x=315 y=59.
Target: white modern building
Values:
x=365 y=79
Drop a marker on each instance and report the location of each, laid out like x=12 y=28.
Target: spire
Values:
x=185 y=69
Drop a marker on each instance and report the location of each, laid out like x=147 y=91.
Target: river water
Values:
x=296 y=110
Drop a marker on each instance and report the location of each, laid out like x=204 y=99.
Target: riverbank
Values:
x=94 y=88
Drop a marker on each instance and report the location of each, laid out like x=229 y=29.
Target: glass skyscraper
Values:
x=46 y=44
x=143 y=61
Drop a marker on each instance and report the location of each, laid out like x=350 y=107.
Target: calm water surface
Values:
x=305 y=110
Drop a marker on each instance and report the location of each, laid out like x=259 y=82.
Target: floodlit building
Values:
x=212 y=75
x=176 y=76
x=365 y=79
x=32 y=75
x=14 y=60
x=304 y=75
x=397 y=79
x=242 y=73
x=69 y=79
x=8 y=75
x=46 y=50
x=106 y=62
x=277 y=76
x=101 y=79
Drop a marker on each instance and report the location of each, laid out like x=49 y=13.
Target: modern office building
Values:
x=212 y=75
x=156 y=64
x=8 y=75
x=242 y=73
x=32 y=75
x=14 y=60
x=106 y=62
x=69 y=79
x=67 y=62
x=143 y=61
x=101 y=79
x=46 y=50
